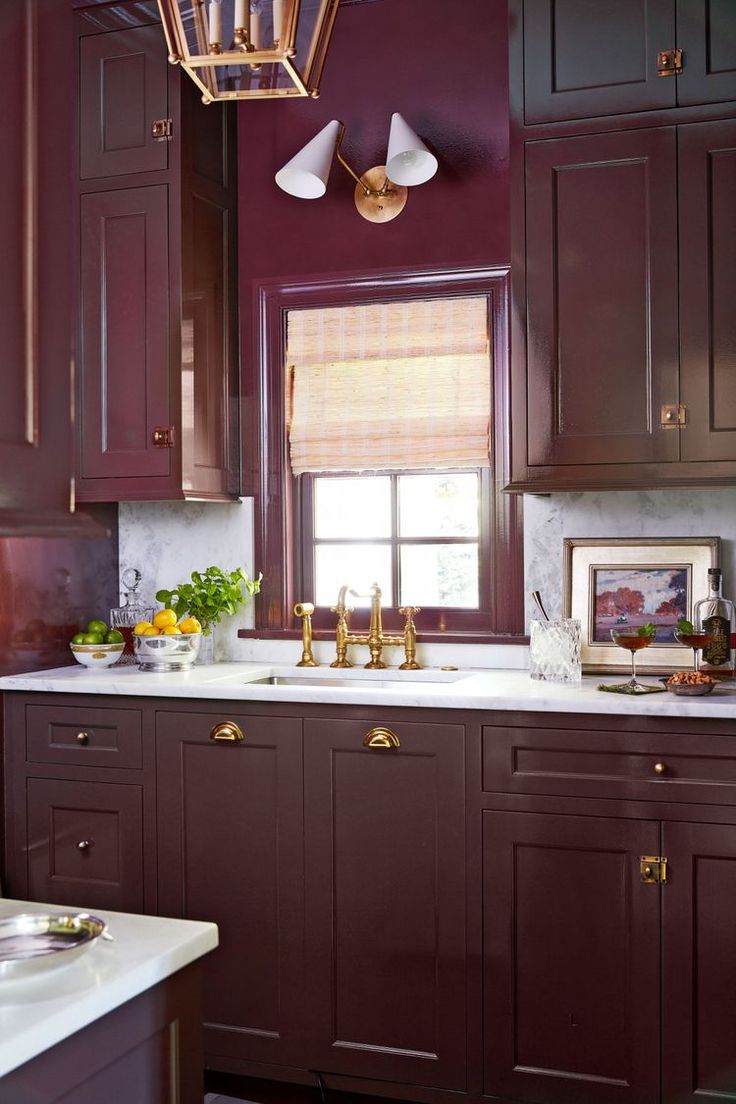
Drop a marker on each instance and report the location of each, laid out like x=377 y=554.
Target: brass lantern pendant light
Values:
x=250 y=49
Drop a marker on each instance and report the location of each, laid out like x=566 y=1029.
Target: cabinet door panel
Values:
x=571 y=959
x=230 y=852
x=125 y=332
x=706 y=33
x=595 y=57
x=602 y=296
x=385 y=902
x=106 y=819
x=707 y=178
x=123 y=86
x=699 y=963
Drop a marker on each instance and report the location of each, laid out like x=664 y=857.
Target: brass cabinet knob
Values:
x=659 y=768
x=647 y=871
x=381 y=738
x=227 y=732
x=84 y=845
x=83 y=737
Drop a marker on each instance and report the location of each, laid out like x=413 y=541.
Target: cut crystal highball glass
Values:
x=554 y=650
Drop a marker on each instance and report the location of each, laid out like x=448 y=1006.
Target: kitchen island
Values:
x=120 y=1022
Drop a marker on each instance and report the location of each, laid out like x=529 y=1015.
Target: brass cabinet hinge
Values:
x=653 y=869
x=669 y=63
x=162 y=130
x=163 y=437
x=672 y=416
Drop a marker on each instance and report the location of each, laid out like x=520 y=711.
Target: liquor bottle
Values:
x=714 y=615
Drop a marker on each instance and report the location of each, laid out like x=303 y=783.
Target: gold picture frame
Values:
x=609 y=581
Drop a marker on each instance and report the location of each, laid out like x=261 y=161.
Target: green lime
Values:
x=114 y=637
x=93 y=638
x=78 y=638
x=97 y=627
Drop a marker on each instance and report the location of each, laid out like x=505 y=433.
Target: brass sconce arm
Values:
x=358 y=180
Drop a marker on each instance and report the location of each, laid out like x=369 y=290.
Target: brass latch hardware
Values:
x=162 y=130
x=669 y=63
x=163 y=437
x=653 y=869
x=672 y=416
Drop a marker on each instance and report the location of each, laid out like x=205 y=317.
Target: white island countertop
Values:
x=430 y=688
x=38 y=1011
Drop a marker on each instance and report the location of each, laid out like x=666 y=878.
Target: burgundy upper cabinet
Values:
x=707 y=36
x=158 y=308
x=123 y=88
x=707 y=181
x=36 y=204
x=586 y=58
x=595 y=57
x=602 y=296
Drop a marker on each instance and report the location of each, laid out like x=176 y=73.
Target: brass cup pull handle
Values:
x=381 y=738
x=659 y=768
x=83 y=737
x=227 y=732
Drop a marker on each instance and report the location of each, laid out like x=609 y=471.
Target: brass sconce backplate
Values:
x=384 y=201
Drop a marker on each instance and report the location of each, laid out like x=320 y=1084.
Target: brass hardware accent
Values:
x=669 y=62
x=376 y=639
x=672 y=416
x=227 y=732
x=163 y=436
x=381 y=738
x=377 y=198
x=659 y=768
x=448 y=667
x=162 y=130
x=83 y=737
x=653 y=869
x=305 y=611
x=84 y=845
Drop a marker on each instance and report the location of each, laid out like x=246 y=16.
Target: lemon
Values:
x=190 y=625
x=141 y=627
x=171 y=630
x=151 y=631
x=164 y=618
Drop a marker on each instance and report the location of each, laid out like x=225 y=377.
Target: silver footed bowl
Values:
x=30 y=942
x=167 y=653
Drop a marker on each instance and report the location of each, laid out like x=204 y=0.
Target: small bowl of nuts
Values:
x=690 y=683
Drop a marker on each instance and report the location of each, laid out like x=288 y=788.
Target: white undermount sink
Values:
x=359 y=678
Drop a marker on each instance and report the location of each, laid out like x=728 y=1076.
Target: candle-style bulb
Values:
x=215 y=21
x=278 y=20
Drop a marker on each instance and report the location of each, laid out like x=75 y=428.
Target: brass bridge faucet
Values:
x=375 y=638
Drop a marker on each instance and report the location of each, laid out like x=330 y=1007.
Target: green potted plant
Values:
x=210 y=596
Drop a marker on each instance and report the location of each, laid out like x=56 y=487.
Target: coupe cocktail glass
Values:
x=630 y=639
x=695 y=640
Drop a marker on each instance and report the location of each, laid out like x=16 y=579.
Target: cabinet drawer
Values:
x=88 y=737
x=591 y=763
x=85 y=844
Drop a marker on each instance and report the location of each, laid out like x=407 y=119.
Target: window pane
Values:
x=359 y=507
x=439 y=505
x=439 y=575
x=360 y=565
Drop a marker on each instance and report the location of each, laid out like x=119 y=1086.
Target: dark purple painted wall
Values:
x=51 y=586
x=444 y=67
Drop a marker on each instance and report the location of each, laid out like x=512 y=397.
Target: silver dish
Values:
x=167 y=653
x=36 y=941
x=694 y=690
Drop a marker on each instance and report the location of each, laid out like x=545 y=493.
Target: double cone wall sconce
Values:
x=381 y=192
x=250 y=49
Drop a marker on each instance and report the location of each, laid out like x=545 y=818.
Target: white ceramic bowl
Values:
x=167 y=653
x=97 y=655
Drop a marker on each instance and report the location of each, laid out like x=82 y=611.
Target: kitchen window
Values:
x=381 y=453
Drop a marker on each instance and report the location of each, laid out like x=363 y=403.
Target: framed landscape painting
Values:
x=610 y=583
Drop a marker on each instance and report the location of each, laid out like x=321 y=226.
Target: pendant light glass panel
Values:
x=250 y=49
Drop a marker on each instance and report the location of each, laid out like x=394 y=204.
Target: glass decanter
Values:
x=126 y=616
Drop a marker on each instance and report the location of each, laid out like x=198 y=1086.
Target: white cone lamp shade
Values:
x=408 y=160
x=306 y=175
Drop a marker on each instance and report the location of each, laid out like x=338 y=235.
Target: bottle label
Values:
x=718 y=652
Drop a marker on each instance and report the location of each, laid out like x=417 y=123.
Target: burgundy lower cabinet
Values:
x=148 y=1051
x=571 y=959
x=384 y=834
x=230 y=851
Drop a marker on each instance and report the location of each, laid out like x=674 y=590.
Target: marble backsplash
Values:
x=169 y=540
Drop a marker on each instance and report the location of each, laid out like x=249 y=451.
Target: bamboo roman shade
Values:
x=389 y=385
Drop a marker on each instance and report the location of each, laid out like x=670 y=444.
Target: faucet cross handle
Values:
x=410 y=639
x=409 y=611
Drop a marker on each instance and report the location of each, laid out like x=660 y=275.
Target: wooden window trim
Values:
x=275 y=490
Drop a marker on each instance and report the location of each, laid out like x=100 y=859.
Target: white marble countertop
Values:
x=39 y=1011
x=431 y=688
